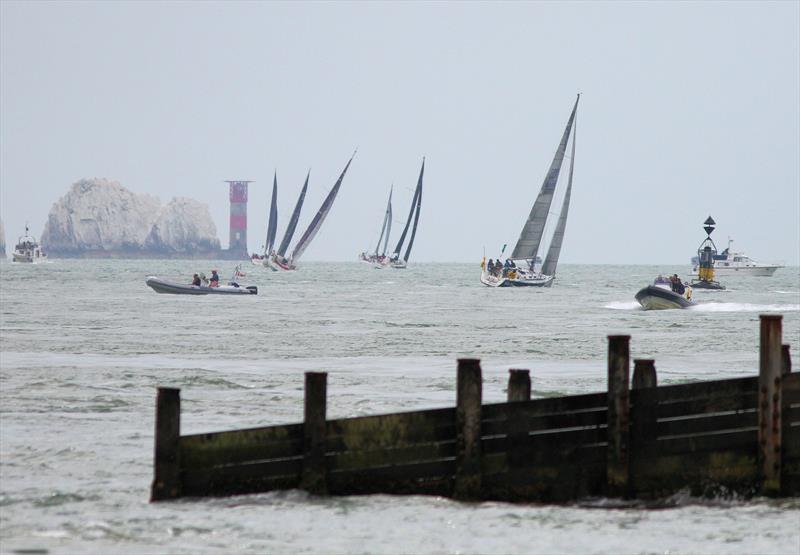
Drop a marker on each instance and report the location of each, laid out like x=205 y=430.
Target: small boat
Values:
x=160 y=285
x=395 y=261
x=730 y=263
x=660 y=296
x=27 y=250
x=523 y=273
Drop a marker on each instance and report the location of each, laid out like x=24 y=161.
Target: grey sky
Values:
x=688 y=109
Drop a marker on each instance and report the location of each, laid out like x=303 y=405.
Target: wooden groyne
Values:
x=637 y=440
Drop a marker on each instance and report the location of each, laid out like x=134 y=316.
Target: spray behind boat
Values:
x=705 y=254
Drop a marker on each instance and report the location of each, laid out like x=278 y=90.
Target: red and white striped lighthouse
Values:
x=237 y=244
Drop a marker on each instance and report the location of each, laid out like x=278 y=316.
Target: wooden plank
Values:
x=786 y=360
x=391 y=430
x=712 y=404
x=790 y=387
x=208 y=450
x=242 y=478
x=557 y=482
x=431 y=478
x=550 y=405
x=708 y=423
x=550 y=422
x=702 y=443
x=712 y=388
x=548 y=447
x=166 y=480
x=364 y=459
x=703 y=473
x=791 y=443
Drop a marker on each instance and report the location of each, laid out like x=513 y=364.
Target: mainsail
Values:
x=531 y=236
x=551 y=260
x=293 y=221
x=320 y=216
x=416 y=213
x=272 y=226
x=386 y=228
x=398 y=248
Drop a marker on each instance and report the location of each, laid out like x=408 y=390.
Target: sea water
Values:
x=84 y=344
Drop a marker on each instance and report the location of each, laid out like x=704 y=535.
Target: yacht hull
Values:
x=538 y=281
x=758 y=271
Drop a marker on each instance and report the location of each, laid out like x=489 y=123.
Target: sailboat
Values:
x=416 y=203
x=290 y=263
x=272 y=228
x=276 y=259
x=378 y=259
x=519 y=269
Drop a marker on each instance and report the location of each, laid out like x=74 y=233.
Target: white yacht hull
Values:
x=761 y=271
x=539 y=280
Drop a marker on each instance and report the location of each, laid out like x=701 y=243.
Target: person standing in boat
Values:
x=214 y=280
x=677 y=285
x=196 y=280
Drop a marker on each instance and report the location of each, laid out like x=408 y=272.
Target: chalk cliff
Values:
x=183 y=226
x=101 y=218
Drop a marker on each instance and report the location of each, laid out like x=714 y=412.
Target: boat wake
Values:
x=624 y=305
x=744 y=307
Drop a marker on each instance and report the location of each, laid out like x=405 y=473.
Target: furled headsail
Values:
x=320 y=216
x=530 y=238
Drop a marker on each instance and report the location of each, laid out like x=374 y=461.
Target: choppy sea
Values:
x=84 y=344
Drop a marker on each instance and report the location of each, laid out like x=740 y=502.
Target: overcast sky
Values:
x=687 y=109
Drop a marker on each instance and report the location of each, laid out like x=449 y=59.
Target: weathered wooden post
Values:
x=643 y=413
x=468 y=429
x=787 y=360
x=519 y=385
x=770 y=369
x=314 y=476
x=167 y=480
x=617 y=469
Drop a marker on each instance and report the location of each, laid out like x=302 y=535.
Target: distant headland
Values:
x=99 y=218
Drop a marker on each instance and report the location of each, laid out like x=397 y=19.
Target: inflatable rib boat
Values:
x=160 y=285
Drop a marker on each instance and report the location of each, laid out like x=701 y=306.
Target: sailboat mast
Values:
x=553 y=253
x=416 y=213
x=398 y=248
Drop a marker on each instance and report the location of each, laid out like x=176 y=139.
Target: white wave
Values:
x=744 y=307
x=624 y=305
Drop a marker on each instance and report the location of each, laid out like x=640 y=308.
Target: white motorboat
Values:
x=730 y=263
x=27 y=250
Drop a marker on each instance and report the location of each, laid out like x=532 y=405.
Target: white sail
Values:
x=320 y=216
x=531 y=236
x=386 y=227
x=553 y=253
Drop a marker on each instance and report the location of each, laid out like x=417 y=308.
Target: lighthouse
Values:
x=237 y=243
